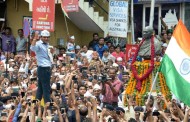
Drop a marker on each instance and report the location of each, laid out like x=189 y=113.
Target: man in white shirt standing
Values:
x=44 y=62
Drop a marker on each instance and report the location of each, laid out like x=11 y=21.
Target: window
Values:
x=138 y=13
x=187 y=15
x=156 y=18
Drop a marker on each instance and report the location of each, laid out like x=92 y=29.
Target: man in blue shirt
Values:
x=8 y=41
x=44 y=65
x=100 y=47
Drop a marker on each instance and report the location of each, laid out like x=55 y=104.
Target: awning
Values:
x=160 y=1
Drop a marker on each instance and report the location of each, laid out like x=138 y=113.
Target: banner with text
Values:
x=130 y=50
x=43 y=14
x=118 y=18
x=70 y=5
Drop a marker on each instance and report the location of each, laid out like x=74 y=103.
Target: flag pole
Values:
x=65 y=14
x=151 y=19
x=66 y=24
x=154 y=81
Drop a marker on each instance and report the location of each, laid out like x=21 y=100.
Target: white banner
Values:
x=118 y=18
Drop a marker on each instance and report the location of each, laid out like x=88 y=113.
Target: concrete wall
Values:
x=15 y=16
x=15 y=19
x=105 y=5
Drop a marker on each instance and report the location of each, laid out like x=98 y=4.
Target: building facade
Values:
x=12 y=13
x=179 y=9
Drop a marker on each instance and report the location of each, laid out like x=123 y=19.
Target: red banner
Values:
x=70 y=5
x=130 y=50
x=43 y=14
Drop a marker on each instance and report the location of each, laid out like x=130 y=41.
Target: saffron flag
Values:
x=64 y=12
x=175 y=64
x=70 y=5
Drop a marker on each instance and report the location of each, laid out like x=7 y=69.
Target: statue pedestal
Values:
x=142 y=68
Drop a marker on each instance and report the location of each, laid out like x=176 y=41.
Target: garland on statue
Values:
x=142 y=68
x=134 y=70
x=161 y=86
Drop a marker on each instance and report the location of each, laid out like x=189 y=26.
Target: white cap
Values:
x=78 y=47
x=174 y=97
x=11 y=60
x=96 y=86
x=53 y=86
x=99 y=108
x=10 y=69
x=165 y=45
x=72 y=59
x=21 y=70
x=72 y=37
x=24 y=86
x=45 y=33
x=140 y=39
x=115 y=65
x=87 y=94
x=119 y=59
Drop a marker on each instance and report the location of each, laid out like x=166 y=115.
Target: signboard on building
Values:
x=43 y=14
x=27 y=26
x=118 y=18
x=130 y=50
x=70 y=5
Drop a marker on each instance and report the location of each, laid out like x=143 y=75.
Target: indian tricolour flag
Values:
x=175 y=64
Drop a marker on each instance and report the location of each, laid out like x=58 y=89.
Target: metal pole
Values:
x=152 y=13
x=152 y=86
x=132 y=23
x=64 y=12
x=66 y=24
x=7 y=58
x=117 y=41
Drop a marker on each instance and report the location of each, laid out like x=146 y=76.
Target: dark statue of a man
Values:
x=145 y=49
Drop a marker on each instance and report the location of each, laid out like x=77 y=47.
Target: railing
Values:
x=100 y=7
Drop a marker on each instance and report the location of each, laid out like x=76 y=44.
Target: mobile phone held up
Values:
x=34 y=101
x=62 y=110
x=51 y=104
x=155 y=113
x=58 y=86
x=22 y=94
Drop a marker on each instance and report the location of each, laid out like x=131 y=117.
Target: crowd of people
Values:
x=77 y=84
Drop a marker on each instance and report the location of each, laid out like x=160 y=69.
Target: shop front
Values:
x=169 y=10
